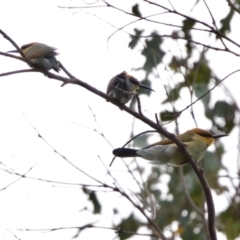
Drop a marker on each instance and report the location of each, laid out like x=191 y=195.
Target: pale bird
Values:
x=166 y=152
x=41 y=55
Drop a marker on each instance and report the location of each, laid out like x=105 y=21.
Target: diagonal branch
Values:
x=22 y=176
x=198 y=171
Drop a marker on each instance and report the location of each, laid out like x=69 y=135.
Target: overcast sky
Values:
x=65 y=116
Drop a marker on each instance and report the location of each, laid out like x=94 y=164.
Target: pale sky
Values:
x=63 y=117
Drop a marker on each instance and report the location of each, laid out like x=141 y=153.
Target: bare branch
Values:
x=12 y=42
x=18 y=71
x=214 y=22
x=61 y=155
x=90 y=225
x=12 y=56
x=150 y=221
x=65 y=70
x=116 y=189
x=16 y=46
x=193 y=41
x=233 y=6
x=198 y=171
x=14 y=235
x=99 y=6
x=22 y=176
x=130 y=141
x=216 y=32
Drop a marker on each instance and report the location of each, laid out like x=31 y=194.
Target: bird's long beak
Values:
x=219 y=135
x=146 y=87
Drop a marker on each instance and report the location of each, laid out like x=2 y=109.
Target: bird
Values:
x=195 y=140
x=41 y=55
x=123 y=86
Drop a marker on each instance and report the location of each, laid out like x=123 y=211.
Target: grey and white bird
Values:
x=167 y=152
x=123 y=86
x=41 y=55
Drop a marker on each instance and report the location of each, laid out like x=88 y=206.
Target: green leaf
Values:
x=96 y=203
x=173 y=95
x=211 y=162
x=200 y=89
x=176 y=63
x=147 y=83
x=93 y=198
x=152 y=52
x=136 y=11
x=225 y=110
x=187 y=26
x=212 y=165
x=228 y=221
x=200 y=73
x=168 y=116
x=141 y=141
x=135 y=38
x=128 y=227
x=226 y=27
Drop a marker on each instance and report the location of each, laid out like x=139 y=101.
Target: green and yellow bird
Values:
x=41 y=55
x=123 y=86
x=166 y=152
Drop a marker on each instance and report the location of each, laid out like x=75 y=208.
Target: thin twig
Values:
x=99 y=6
x=233 y=6
x=148 y=131
x=90 y=225
x=192 y=41
x=194 y=206
x=116 y=189
x=12 y=56
x=18 y=71
x=22 y=176
x=219 y=34
x=138 y=207
x=214 y=23
x=14 y=234
x=61 y=155
x=16 y=46
x=161 y=130
x=139 y=105
x=206 y=93
x=65 y=70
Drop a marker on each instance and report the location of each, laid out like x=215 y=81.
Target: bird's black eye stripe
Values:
x=26 y=46
x=205 y=135
x=135 y=81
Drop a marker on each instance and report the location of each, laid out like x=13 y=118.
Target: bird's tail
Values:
x=125 y=152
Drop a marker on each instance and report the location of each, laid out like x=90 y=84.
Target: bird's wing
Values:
x=117 y=81
x=184 y=138
x=38 y=50
x=163 y=142
x=159 y=154
x=164 y=154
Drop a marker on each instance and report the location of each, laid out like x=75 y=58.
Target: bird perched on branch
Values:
x=41 y=55
x=166 y=152
x=123 y=86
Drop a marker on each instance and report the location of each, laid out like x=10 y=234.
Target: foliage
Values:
x=197 y=78
x=179 y=208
